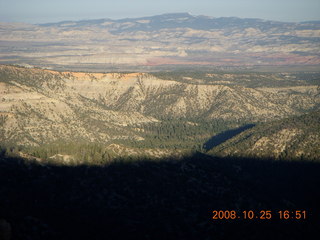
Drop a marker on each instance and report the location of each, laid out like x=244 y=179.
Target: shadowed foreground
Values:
x=158 y=200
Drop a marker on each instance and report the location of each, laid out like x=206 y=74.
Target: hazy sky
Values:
x=41 y=11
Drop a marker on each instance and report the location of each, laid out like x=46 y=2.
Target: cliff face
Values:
x=41 y=105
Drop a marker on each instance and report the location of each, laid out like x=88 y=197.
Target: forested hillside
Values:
x=294 y=138
x=104 y=115
x=41 y=106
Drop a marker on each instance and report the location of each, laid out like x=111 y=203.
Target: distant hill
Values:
x=39 y=106
x=181 y=20
x=177 y=39
x=292 y=138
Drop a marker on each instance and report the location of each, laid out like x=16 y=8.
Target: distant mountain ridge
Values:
x=186 y=20
x=178 y=39
x=174 y=20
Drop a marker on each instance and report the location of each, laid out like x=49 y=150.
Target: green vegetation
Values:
x=168 y=134
x=294 y=138
x=174 y=133
x=243 y=78
x=34 y=78
x=55 y=118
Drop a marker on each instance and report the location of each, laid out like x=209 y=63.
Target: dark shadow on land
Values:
x=168 y=199
x=224 y=136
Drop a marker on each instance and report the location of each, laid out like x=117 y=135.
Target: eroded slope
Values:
x=40 y=106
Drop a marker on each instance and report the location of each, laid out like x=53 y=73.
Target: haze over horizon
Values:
x=36 y=11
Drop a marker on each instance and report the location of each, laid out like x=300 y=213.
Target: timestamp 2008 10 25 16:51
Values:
x=259 y=215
